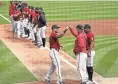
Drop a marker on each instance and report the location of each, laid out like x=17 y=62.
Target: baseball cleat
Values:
x=29 y=38
x=41 y=47
x=33 y=42
x=83 y=83
x=90 y=82
x=60 y=82
x=47 y=79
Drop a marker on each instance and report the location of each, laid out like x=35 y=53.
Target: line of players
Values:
x=28 y=22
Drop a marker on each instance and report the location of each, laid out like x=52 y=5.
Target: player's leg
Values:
x=29 y=30
x=32 y=33
x=35 y=30
x=18 y=29
x=52 y=67
x=90 y=65
x=12 y=22
x=43 y=36
x=58 y=69
x=14 y=28
x=81 y=66
x=55 y=65
x=39 y=40
x=23 y=28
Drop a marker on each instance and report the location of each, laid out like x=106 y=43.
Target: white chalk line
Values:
x=5 y=18
x=66 y=61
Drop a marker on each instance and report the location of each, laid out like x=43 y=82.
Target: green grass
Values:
x=11 y=69
x=72 y=10
x=106 y=58
x=107 y=62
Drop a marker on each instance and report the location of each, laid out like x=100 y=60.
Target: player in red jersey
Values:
x=80 y=52
x=17 y=16
x=90 y=51
x=11 y=12
x=54 y=54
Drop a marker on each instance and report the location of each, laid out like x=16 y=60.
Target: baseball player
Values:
x=42 y=25
x=17 y=16
x=33 y=30
x=54 y=54
x=25 y=20
x=35 y=26
x=90 y=51
x=29 y=24
x=80 y=52
x=11 y=12
x=41 y=30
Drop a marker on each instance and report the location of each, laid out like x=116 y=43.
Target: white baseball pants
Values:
x=81 y=66
x=12 y=22
x=17 y=28
x=43 y=30
x=55 y=64
x=24 y=24
x=32 y=33
x=90 y=58
x=39 y=39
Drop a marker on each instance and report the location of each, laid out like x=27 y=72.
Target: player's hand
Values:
x=89 y=53
x=70 y=26
x=67 y=27
x=46 y=25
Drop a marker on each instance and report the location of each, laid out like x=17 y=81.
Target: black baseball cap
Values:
x=87 y=26
x=79 y=26
x=55 y=27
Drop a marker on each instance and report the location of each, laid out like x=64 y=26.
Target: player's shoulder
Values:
x=52 y=34
x=79 y=36
x=90 y=34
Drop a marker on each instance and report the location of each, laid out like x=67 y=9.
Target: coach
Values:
x=42 y=26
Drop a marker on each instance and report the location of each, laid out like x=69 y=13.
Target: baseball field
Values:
x=101 y=15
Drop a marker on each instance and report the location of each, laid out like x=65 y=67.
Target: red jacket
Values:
x=17 y=15
x=80 y=42
x=33 y=14
x=11 y=9
x=25 y=10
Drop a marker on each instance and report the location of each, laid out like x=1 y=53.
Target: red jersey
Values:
x=80 y=42
x=54 y=41
x=37 y=15
x=29 y=13
x=17 y=15
x=90 y=38
x=11 y=9
x=33 y=14
x=16 y=12
x=25 y=10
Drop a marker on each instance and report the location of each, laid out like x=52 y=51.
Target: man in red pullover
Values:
x=80 y=52
x=11 y=12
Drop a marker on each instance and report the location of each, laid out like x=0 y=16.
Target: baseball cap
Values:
x=87 y=26
x=79 y=26
x=55 y=27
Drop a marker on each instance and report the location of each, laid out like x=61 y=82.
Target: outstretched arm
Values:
x=62 y=34
x=73 y=32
